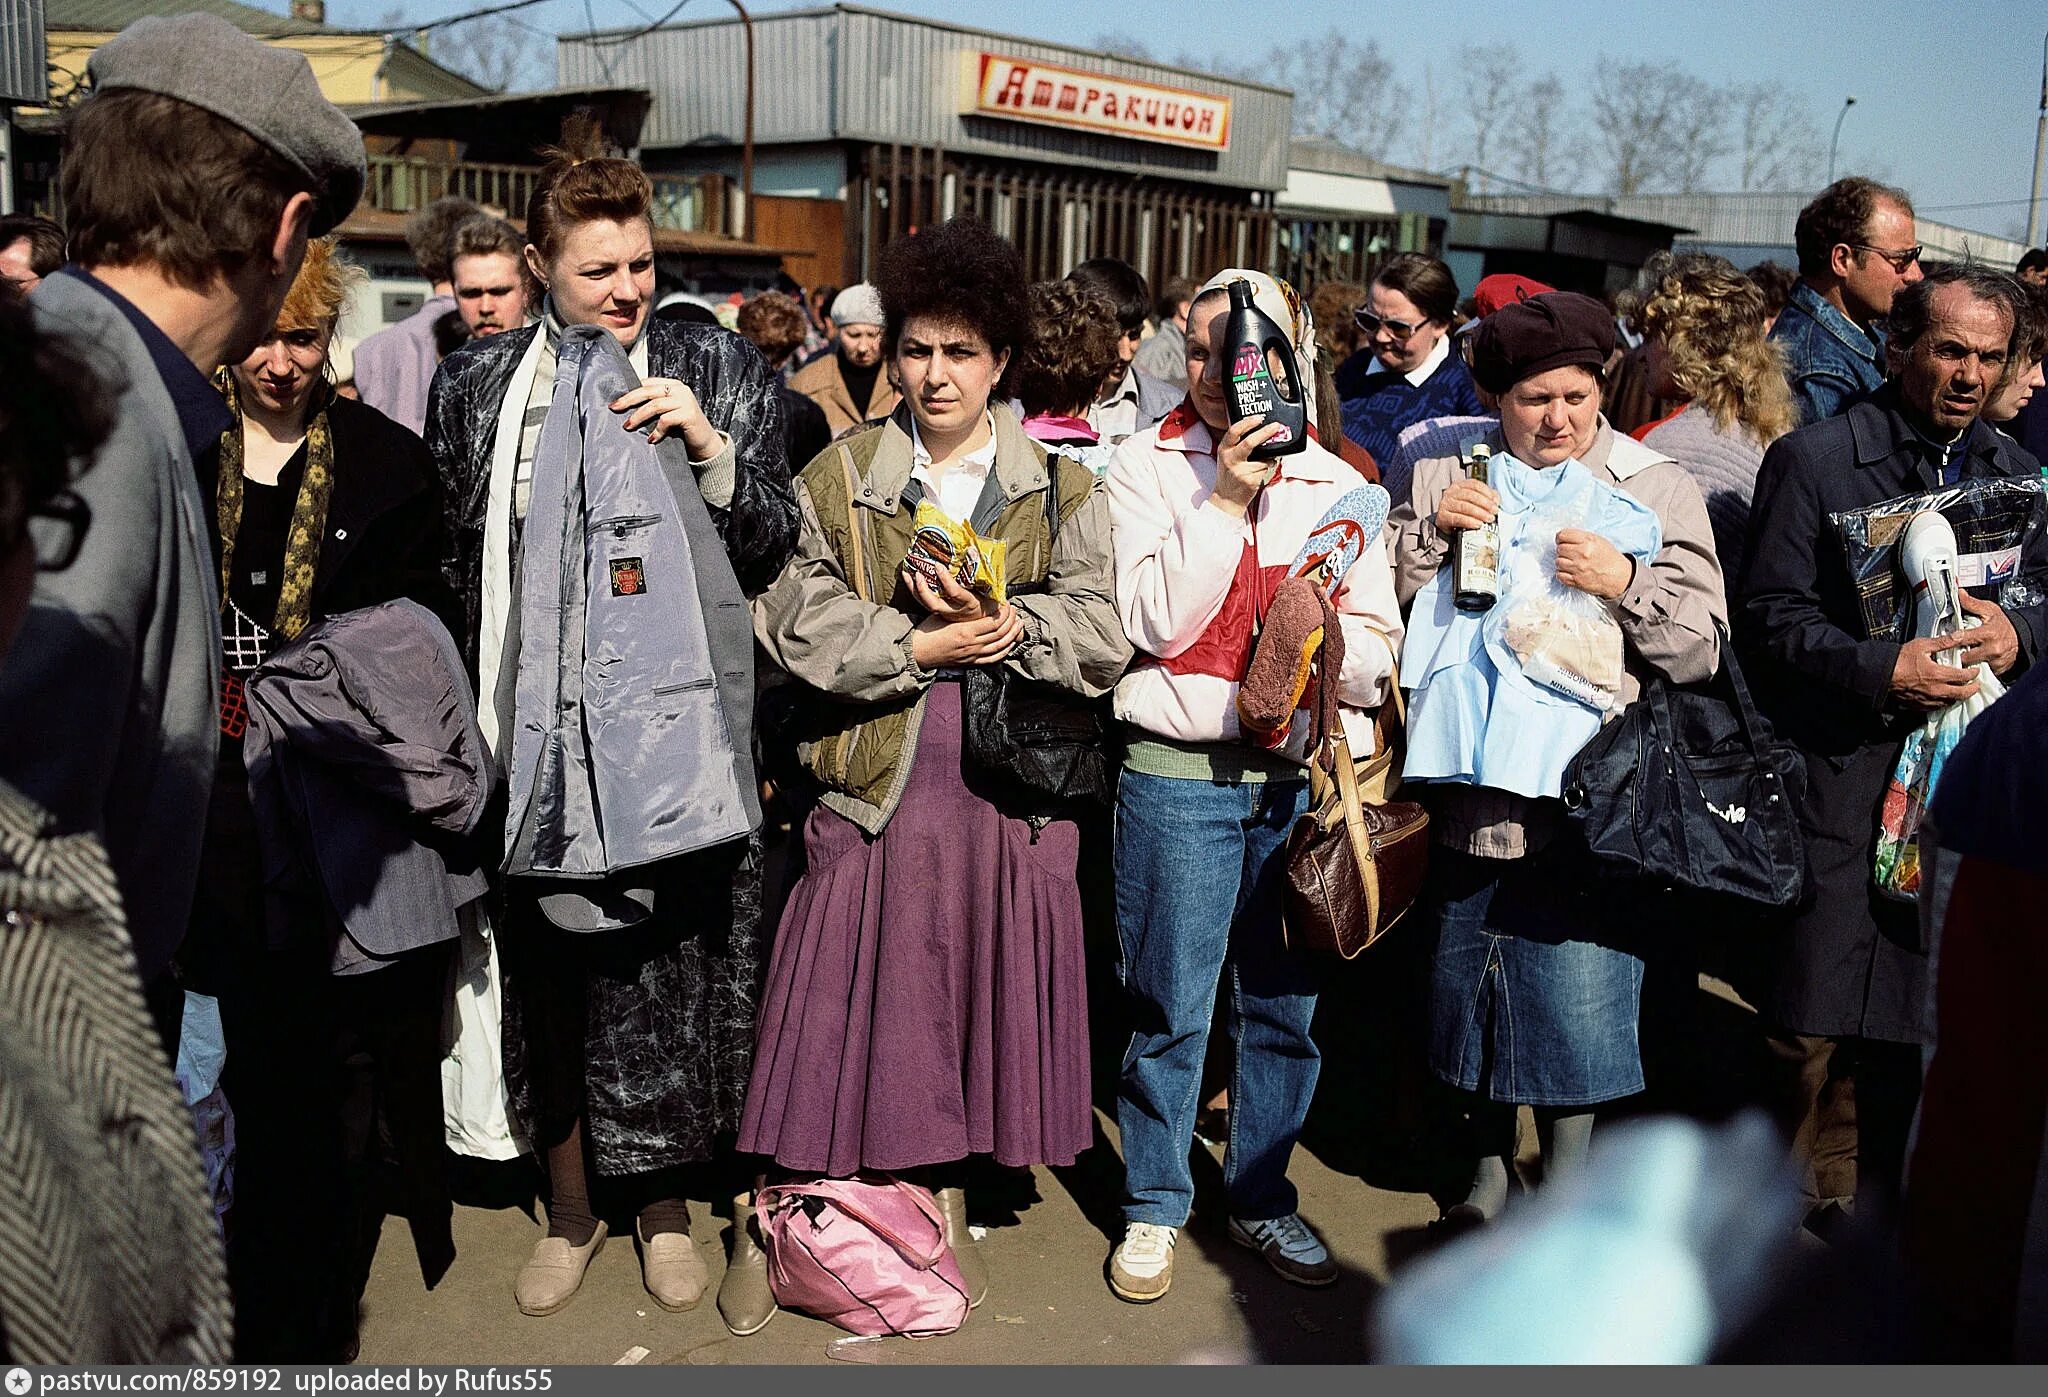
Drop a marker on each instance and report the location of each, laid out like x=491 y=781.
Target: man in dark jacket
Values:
x=1848 y=994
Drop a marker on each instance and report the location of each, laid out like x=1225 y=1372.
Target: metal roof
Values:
x=112 y=16
x=848 y=73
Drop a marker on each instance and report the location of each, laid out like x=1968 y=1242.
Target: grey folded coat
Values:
x=632 y=718
x=367 y=771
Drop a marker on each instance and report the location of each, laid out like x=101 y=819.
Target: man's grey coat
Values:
x=110 y=698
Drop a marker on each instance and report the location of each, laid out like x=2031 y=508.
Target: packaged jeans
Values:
x=1996 y=521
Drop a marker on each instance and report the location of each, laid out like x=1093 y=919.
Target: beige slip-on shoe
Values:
x=553 y=1273
x=745 y=1300
x=674 y=1274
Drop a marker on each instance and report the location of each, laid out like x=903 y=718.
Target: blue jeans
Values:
x=1199 y=873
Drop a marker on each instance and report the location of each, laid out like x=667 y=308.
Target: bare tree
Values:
x=1633 y=114
x=1432 y=118
x=1123 y=44
x=1776 y=141
x=497 y=51
x=1697 y=136
x=1343 y=91
x=1486 y=97
x=1537 y=139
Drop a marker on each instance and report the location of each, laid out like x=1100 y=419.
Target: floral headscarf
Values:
x=1285 y=308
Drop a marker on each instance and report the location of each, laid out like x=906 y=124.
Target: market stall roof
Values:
x=509 y=127
x=376 y=225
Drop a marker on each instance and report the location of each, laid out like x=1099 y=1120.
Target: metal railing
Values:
x=403 y=183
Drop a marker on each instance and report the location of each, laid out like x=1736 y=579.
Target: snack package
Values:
x=1995 y=521
x=941 y=543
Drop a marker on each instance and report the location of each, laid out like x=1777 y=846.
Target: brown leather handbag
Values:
x=1354 y=865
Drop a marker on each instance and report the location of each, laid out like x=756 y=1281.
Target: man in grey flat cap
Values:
x=192 y=178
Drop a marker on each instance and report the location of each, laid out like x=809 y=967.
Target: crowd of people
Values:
x=698 y=686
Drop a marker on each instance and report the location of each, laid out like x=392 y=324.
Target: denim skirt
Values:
x=1532 y=998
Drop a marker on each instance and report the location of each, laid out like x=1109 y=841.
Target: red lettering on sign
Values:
x=1012 y=94
x=1041 y=93
x=1187 y=118
x=1069 y=95
x=1208 y=124
x=1151 y=111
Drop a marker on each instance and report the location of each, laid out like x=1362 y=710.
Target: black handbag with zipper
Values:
x=1048 y=744
x=1689 y=789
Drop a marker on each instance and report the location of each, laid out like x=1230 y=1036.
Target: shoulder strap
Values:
x=858 y=564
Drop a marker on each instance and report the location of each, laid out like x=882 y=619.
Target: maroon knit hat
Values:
x=1545 y=332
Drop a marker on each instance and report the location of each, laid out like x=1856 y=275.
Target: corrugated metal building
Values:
x=868 y=125
x=1342 y=214
x=23 y=79
x=1747 y=228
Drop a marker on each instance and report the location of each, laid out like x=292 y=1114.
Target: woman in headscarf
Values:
x=320 y=505
x=927 y=1000
x=628 y=1050
x=1204 y=533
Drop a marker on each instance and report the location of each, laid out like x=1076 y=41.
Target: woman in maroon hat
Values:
x=1535 y=985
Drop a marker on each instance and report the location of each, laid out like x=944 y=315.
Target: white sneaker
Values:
x=1141 y=1268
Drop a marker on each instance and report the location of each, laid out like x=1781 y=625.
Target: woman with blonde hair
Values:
x=1705 y=322
x=318 y=505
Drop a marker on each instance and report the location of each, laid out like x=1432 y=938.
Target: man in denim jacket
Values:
x=1856 y=250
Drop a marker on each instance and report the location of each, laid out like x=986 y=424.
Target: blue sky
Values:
x=1947 y=95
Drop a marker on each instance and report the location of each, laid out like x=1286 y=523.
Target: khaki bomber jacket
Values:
x=839 y=618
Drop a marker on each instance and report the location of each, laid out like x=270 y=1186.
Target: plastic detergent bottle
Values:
x=1259 y=376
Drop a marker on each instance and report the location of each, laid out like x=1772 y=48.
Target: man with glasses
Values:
x=1856 y=251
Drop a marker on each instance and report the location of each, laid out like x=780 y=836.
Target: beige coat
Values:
x=1672 y=614
x=821 y=382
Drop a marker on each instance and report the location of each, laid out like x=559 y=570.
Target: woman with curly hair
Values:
x=1704 y=323
x=1073 y=347
x=926 y=1000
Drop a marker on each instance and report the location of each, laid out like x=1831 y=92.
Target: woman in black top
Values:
x=320 y=505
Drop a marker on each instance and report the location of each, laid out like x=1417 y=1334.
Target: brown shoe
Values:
x=745 y=1301
x=671 y=1269
x=973 y=1270
x=553 y=1273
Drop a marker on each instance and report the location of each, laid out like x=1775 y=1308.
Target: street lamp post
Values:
x=2040 y=151
x=1835 y=143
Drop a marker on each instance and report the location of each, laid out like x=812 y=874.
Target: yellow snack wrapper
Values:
x=941 y=543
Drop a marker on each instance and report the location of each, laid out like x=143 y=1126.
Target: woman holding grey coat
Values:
x=627 y=1049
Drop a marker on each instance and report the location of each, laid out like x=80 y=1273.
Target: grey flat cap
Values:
x=268 y=92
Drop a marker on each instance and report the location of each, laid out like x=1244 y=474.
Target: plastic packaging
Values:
x=1566 y=640
x=1259 y=375
x=942 y=544
x=1995 y=522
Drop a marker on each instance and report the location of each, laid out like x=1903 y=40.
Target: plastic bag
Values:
x=1995 y=522
x=1565 y=640
x=1911 y=789
x=942 y=543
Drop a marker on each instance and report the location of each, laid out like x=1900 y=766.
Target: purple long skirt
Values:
x=927 y=998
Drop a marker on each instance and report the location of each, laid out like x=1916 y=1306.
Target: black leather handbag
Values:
x=1050 y=745
x=1689 y=789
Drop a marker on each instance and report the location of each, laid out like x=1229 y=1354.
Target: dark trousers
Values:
x=331 y=1080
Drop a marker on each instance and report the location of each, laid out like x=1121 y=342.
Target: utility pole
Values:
x=747 y=150
x=2040 y=153
x=1847 y=102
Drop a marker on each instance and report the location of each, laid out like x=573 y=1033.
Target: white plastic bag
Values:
x=1566 y=640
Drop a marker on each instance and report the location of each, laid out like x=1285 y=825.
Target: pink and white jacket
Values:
x=1190 y=579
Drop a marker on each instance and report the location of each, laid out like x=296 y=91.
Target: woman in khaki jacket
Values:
x=1535 y=974
x=926 y=1000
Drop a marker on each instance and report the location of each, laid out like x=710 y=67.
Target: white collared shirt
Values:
x=1116 y=416
x=1419 y=375
x=960 y=489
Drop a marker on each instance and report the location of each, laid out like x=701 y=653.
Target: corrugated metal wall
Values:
x=859 y=75
x=22 y=58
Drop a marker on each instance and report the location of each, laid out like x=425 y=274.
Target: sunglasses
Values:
x=1899 y=260
x=1370 y=323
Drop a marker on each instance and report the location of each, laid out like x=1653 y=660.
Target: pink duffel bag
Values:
x=868 y=1253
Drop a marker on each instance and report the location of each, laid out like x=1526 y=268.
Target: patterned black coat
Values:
x=669 y=1009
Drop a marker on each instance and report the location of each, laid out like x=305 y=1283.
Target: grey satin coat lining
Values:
x=631 y=738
